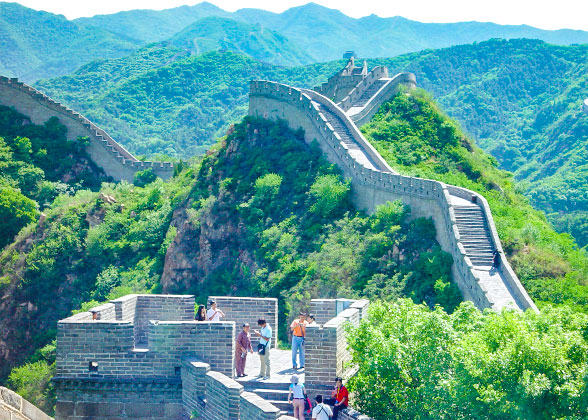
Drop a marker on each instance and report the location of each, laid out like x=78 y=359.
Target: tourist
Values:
x=201 y=314
x=340 y=398
x=243 y=345
x=298 y=328
x=296 y=397
x=214 y=314
x=321 y=411
x=263 y=348
x=311 y=320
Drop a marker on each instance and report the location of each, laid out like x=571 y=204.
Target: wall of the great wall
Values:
x=426 y=198
x=15 y=407
x=114 y=159
x=124 y=359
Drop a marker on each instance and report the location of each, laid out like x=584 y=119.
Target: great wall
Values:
x=113 y=158
x=144 y=356
x=465 y=227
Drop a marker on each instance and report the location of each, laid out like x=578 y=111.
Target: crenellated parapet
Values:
x=104 y=151
x=375 y=183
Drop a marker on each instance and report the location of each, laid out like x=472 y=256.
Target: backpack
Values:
x=307 y=404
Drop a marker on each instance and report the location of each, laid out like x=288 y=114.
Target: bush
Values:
x=16 y=211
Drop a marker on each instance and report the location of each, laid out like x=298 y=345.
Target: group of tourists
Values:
x=326 y=408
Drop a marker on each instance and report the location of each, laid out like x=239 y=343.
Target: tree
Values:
x=16 y=211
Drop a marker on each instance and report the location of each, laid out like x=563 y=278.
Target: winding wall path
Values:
x=464 y=223
x=113 y=158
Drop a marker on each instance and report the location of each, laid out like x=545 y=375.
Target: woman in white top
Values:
x=296 y=397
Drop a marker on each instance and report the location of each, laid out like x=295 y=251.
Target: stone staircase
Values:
x=346 y=137
x=371 y=91
x=275 y=393
x=475 y=235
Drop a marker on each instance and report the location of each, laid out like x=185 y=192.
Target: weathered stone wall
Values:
x=102 y=373
x=326 y=309
x=113 y=158
x=14 y=407
x=360 y=88
x=248 y=309
x=370 y=188
x=100 y=398
x=210 y=395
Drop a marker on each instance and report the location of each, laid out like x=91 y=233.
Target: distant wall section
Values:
x=106 y=153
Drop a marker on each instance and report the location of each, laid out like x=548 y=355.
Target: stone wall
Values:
x=100 y=398
x=370 y=188
x=210 y=395
x=392 y=87
x=248 y=310
x=14 y=407
x=326 y=345
x=360 y=88
x=102 y=373
x=113 y=158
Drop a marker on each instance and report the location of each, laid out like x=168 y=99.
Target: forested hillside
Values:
x=264 y=214
x=217 y=33
x=520 y=100
x=35 y=45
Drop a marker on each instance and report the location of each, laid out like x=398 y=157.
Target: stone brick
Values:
x=64 y=409
x=144 y=410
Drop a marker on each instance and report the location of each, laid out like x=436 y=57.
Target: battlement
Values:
x=104 y=151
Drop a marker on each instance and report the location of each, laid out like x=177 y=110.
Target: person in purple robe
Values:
x=243 y=346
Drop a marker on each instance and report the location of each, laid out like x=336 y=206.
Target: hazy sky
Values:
x=540 y=13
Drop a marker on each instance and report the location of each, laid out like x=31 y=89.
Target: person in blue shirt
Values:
x=265 y=342
x=296 y=397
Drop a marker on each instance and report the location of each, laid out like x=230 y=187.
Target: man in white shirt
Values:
x=214 y=314
x=265 y=342
x=321 y=411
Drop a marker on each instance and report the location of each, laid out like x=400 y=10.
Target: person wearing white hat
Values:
x=296 y=397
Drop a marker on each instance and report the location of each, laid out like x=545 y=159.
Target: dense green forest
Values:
x=37 y=163
x=520 y=100
x=418 y=363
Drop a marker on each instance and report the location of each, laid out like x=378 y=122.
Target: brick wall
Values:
x=223 y=397
x=351 y=414
x=248 y=310
x=161 y=308
x=194 y=385
x=253 y=407
x=119 y=399
x=13 y=406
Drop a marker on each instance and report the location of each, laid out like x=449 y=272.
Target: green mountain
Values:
x=153 y=25
x=324 y=34
x=176 y=109
x=217 y=33
x=37 y=44
x=520 y=100
x=265 y=214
